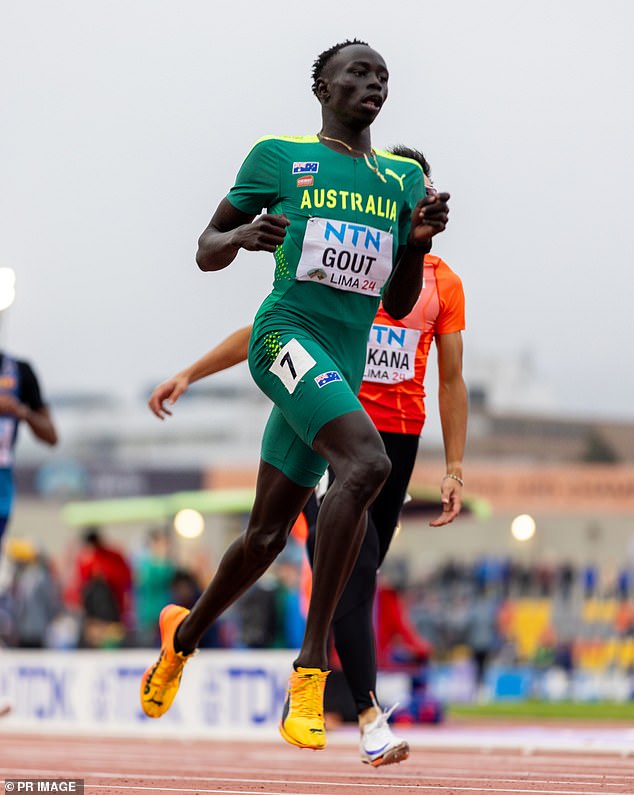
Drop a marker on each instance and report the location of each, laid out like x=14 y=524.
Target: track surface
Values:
x=448 y=761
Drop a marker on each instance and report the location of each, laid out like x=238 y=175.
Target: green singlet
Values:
x=308 y=344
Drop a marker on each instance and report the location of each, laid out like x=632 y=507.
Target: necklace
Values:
x=374 y=167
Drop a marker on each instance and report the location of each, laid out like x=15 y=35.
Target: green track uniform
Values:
x=308 y=343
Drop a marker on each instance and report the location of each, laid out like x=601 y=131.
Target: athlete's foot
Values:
x=302 y=721
x=160 y=682
x=379 y=745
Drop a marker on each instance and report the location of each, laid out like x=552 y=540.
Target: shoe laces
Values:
x=379 y=726
x=306 y=695
x=167 y=667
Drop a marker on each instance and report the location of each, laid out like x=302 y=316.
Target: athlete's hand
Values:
x=265 y=233
x=169 y=391
x=10 y=405
x=451 y=495
x=428 y=219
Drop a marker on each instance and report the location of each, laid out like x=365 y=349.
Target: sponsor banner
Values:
x=453 y=682
x=556 y=684
x=236 y=692
x=99 y=691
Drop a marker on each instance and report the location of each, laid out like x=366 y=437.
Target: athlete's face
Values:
x=354 y=84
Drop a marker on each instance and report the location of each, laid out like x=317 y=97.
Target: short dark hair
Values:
x=92 y=536
x=413 y=154
x=323 y=58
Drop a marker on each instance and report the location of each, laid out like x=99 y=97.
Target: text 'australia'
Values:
x=348 y=200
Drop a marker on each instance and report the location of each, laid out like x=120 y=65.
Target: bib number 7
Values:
x=291 y=364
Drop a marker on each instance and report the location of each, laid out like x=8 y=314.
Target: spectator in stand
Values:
x=104 y=580
x=290 y=621
x=482 y=635
x=154 y=571
x=397 y=640
x=567 y=575
x=590 y=580
x=35 y=595
x=185 y=590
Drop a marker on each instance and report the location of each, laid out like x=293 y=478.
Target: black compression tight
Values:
x=352 y=624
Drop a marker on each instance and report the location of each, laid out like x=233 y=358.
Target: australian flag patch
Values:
x=306 y=168
x=327 y=378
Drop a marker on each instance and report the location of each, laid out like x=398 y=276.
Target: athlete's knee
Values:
x=264 y=544
x=367 y=473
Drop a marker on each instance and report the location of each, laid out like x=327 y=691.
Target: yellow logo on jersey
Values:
x=400 y=179
x=348 y=200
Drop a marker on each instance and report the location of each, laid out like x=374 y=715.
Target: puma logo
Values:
x=400 y=179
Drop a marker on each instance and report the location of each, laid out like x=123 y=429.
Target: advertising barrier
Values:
x=86 y=691
x=236 y=693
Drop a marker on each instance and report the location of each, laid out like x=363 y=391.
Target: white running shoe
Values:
x=379 y=745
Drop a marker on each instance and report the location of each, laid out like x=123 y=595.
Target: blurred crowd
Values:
x=498 y=611
x=493 y=611
x=100 y=596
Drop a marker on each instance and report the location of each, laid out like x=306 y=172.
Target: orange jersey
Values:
x=392 y=391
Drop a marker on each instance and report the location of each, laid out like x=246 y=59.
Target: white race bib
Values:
x=346 y=256
x=291 y=364
x=391 y=354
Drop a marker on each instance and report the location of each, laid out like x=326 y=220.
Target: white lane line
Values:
x=599 y=778
x=422 y=787
x=336 y=784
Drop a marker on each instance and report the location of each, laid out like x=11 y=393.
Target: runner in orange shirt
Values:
x=393 y=395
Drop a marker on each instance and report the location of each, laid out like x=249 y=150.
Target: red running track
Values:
x=139 y=766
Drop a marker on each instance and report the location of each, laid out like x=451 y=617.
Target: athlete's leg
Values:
x=353 y=622
x=278 y=502
x=401 y=449
x=352 y=625
x=383 y=517
x=353 y=448
x=353 y=628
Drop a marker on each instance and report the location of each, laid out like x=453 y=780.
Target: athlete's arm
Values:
x=230 y=351
x=40 y=422
x=29 y=406
x=453 y=407
x=231 y=229
x=404 y=285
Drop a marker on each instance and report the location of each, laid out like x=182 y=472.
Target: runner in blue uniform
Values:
x=21 y=401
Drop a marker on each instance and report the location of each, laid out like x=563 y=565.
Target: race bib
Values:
x=346 y=256
x=391 y=354
x=291 y=364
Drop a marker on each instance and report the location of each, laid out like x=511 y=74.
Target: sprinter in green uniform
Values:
x=347 y=221
x=348 y=225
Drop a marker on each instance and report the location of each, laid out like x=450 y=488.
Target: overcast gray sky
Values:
x=124 y=123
